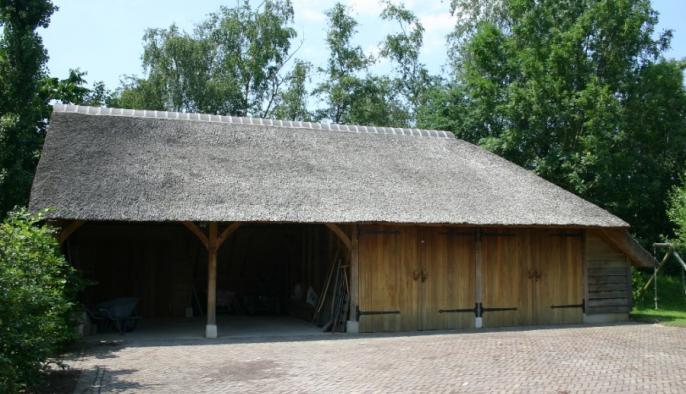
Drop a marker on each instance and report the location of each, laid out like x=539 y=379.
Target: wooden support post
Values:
x=354 y=274
x=212 y=241
x=211 y=328
x=478 y=323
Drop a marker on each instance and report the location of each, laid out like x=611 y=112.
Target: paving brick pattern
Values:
x=622 y=358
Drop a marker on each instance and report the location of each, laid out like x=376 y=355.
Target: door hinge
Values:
x=474 y=310
x=582 y=306
x=371 y=313
x=482 y=309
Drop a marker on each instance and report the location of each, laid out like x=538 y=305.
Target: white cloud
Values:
x=437 y=27
x=442 y=21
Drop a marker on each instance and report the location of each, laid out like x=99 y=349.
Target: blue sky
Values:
x=103 y=37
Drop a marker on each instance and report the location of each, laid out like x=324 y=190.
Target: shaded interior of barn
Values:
x=263 y=270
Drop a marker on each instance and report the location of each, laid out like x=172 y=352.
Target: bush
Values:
x=36 y=285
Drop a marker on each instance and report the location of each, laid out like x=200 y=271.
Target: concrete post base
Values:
x=479 y=322
x=352 y=327
x=211 y=331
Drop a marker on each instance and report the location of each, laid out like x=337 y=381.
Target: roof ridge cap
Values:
x=243 y=120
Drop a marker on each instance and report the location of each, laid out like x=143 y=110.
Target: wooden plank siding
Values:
x=427 y=275
x=505 y=269
x=608 y=274
x=559 y=290
x=386 y=268
x=446 y=283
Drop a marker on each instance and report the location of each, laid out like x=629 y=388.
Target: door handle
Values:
x=419 y=275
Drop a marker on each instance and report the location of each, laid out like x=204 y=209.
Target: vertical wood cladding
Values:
x=424 y=278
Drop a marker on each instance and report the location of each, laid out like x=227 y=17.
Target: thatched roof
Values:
x=104 y=164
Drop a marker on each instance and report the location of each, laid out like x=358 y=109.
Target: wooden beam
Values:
x=620 y=239
x=198 y=233
x=657 y=269
x=354 y=273
x=211 y=329
x=478 y=294
x=69 y=229
x=227 y=233
x=340 y=234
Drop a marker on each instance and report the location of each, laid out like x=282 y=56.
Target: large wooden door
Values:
x=558 y=283
x=415 y=278
x=446 y=278
x=506 y=284
x=531 y=277
x=387 y=291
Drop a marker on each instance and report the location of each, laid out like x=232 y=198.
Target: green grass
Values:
x=671 y=302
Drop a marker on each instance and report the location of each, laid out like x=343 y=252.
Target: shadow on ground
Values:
x=103 y=348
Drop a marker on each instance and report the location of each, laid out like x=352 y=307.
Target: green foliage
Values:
x=342 y=83
x=36 y=286
x=470 y=14
x=232 y=64
x=671 y=300
x=677 y=212
x=73 y=90
x=292 y=102
x=578 y=93
x=349 y=94
x=23 y=109
x=412 y=78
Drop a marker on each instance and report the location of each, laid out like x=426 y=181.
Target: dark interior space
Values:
x=262 y=269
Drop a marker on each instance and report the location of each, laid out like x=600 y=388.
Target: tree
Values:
x=676 y=211
x=412 y=78
x=470 y=14
x=341 y=76
x=23 y=107
x=233 y=64
x=578 y=92
x=74 y=90
x=292 y=102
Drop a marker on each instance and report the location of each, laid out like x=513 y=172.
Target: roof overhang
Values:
x=625 y=243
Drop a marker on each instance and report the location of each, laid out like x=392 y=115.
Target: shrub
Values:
x=36 y=285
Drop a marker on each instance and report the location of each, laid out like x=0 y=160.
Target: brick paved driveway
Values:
x=622 y=358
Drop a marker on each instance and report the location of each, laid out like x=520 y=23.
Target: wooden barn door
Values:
x=387 y=292
x=558 y=282
x=446 y=278
x=506 y=286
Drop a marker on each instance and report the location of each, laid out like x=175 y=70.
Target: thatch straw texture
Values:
x=157 y=166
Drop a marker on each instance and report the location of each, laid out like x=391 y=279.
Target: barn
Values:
x=360 y=228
